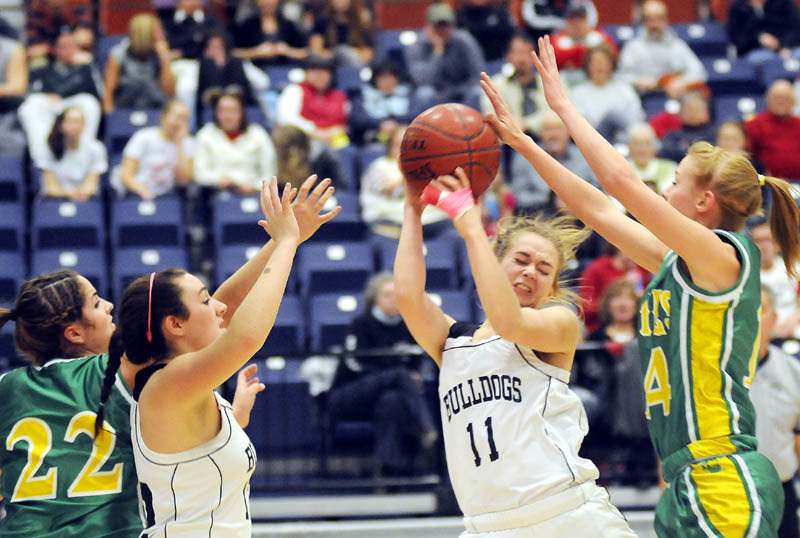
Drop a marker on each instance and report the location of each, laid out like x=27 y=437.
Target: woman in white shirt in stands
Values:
x=231 y=152
x=71 y=168
x=157 y=159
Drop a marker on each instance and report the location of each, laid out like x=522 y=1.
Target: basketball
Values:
x=445 y=137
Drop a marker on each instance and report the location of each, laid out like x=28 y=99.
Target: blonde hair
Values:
x=735 y=183
x=564 y=233
x=140 y=33
x=293 y=150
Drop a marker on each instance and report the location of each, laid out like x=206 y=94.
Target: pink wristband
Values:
x=454 y=203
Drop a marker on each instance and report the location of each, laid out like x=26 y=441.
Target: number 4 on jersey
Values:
x=657 y=390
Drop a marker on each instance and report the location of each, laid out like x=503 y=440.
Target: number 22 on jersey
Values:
x=90 y=481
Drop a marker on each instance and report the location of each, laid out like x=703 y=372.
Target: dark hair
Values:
x=130 y=337
x=597 y=49
x=213 y=34
x=44 y=307
x=616 y=288
x=385 y=66
x=293 y=149
x=55 y=140
x=236 y=94
x=359 y=25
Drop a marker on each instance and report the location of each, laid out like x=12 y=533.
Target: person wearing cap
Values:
x=656 y=59
x=542 y=17
x=574 y=40
x=446 y=63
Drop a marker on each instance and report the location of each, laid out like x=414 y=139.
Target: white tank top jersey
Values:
x=204 y=491
x=512 y=427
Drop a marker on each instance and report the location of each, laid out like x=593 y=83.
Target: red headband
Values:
x=150 y=306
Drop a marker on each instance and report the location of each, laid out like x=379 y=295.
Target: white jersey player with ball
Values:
x=512 y=427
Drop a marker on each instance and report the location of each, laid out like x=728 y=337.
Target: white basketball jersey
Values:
x=204 y=491
x=512 y=427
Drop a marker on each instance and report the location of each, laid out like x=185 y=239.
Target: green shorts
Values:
x=729 y=496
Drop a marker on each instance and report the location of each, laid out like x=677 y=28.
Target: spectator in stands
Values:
x=542 y=17
x=611 y=105
x=62 y=83
x=574 y=40
x=298 y=158
x=71 y=169
x=521 y=88
x=381 y=105
x=592 y=376
x=490 y=23
x=530 y=190
x=656 y=59
x=731 y=135
x=386 y=389
x=775 y=133
x=383 y=191
x=642 y=147
x=343 y=31
x=696 y=125
x=231 y=152
x=775 y=392
x=446 y=63
x=599 y=275
x=315 y=105
x=782 y=286
x=157 y=159
x=220 y=72
x=138 y=73
x=762 y=30
x=188 y=29
x=47 y=19
x=13 y=85
x=270 y=37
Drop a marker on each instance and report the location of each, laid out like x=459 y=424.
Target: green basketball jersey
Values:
x=699 y=351
x=56 y=481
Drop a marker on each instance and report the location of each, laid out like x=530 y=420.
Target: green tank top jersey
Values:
x=699 y=351
x=56 y=481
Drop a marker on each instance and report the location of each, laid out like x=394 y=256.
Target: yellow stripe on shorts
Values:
x=722 y=496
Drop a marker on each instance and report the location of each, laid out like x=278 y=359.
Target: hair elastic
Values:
x=150 y=306
x=761 y=179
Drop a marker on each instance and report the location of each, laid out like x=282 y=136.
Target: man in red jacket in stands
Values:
x=775 y=133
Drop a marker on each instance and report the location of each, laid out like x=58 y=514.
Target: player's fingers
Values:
x=330 y=214
x=306 y=186
x=462 y=177
x=319 y=190
x=451 y=183
x=252 y=381
x=264 y=195
x=260 y=387
x=322 y=200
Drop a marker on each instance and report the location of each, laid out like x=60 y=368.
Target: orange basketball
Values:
x=445 y=137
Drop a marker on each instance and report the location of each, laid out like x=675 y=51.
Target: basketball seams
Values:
x=466 y=137
x=449 y=154
x=451 y=136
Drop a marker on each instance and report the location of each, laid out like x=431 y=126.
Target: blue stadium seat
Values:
x=441 y=261
x=788 y=69
x=12 y=179
x=147 y=223
x=737 y=107
x=620 y=32
x=389 y=44
x=63 y=224
x=367 y=155
x=12 y=273
x=104 y=45
x=90 y=262
x=9 y=356
x=230 y=258
x=329 y=267
x=288 y=334
x=495 y=66
x=350 y=79
x=347 y=226
x=131 y=263
x=348 y=157
x=282 y=420
x=653 y=104
x=731 y=77
x=458 y=304
x=281 y=76
x=122 y=123
x=329 y=316
x=705 y=39
x=235 y=219
x=12 y=226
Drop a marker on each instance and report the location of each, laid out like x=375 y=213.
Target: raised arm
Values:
x=428 y=324
x=307 y=207
x=712 y=263
x=552 y=330
x=587 y=202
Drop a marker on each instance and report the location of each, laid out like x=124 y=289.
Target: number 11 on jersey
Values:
x=493 y=454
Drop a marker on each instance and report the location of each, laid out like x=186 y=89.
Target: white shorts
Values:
x=582 y=511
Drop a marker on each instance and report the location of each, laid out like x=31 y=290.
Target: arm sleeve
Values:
x=205 y=171
x=288 y=107
x=135 y=147
x=627 y=63
x=99 y=162
x=693 y=68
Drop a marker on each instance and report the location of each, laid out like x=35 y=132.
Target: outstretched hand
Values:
x=502 y=121
x=308 y=204
x=279 y=220
x=247 y=387
x=546 y=65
